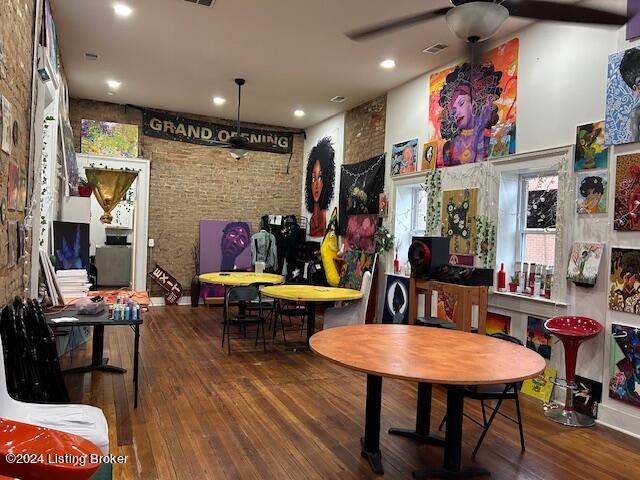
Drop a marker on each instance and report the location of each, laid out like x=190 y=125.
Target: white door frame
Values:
x=141 y=215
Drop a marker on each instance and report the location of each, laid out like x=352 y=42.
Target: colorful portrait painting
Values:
x=538 y=337
x=584 y=263
x=429 y=155
x=71 y=245
x=591 y=192
x=591 y=152
x=12 y=186
x=624 y=364
x=319 y=184
x=459 y=208
x=624 y=281
x=396 y=305
x=626 y=216
x=404 y=157
x=224 y=247
x=356 y=263
x=497 y=323
x=360 y=232
x=622 y=113
x=472 y=116
x=109 y=139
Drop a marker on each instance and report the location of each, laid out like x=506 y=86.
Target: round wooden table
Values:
x=428 y=356
x=241 y=279
x=311 y=294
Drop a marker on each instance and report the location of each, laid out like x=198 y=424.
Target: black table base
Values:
x=371 y=442
x=423 y=420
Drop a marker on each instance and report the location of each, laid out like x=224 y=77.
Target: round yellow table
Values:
x=311 y=294
x=241 y=279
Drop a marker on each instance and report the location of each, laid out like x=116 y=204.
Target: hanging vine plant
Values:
x=433 y=187
x=485 y=241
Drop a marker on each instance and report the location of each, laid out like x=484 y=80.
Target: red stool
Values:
x=571 y=331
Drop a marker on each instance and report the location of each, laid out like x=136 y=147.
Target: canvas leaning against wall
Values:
x=624 y=281
x=108 y=139
x=396 y=300
x=624 y=364
x=626 y=216
x=71 y=245
x=472 y=117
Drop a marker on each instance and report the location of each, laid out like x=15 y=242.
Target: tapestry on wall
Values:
x=497 y=323
x=538 y=337
x=588 y=396
x=429 y=155
x=626 y=216
x=320 y=184
x=360 y=187
x=360 y=233
x=355 y=264
x=584 y=263
x=540 y=386
x=396 y=300
x=459 y=209
x=591 y=192
x=624 y=280
x=591 y=152
x=473 y=117
x=71 y=245
x=624 y=364
x=224 y=247
x=108 y=139
x=622 y=114
x=404 y=157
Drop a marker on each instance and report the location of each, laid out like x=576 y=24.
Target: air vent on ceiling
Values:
x=205 y=3
x=91 y=56
x=433 y=49
x=338 y=99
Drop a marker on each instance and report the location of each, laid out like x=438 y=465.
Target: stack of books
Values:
x=73 y=283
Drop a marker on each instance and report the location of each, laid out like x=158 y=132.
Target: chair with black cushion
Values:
x=500 y=393
x=243 y=294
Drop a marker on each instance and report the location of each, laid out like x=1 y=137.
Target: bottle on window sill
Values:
x=502 y=279
x=396 y=264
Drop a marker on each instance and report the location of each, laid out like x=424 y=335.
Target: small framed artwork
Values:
x=404 y=157
x=429 y=155
x=383 y=205
x=591 y=192
x=591 y=152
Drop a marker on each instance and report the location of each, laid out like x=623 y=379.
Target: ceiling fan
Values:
x=477 y=20
x=238 y=145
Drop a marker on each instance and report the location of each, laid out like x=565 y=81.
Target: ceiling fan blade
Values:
x=390 y=26
x=263 y=147
x=562 y=12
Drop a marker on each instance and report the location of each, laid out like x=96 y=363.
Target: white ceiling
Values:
x=176 y=55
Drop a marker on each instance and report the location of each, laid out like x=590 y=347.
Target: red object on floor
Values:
x=45 y=454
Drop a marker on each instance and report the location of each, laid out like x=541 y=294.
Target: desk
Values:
x=311 y=294
x=98 y=322
x=427 y=356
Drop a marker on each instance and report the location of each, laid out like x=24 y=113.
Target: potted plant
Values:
x=85 y=188
x=514 y=281
x=195 y=281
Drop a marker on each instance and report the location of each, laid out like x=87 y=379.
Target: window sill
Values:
x=530 y=298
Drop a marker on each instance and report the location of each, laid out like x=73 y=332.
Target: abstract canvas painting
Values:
x=624 y=280
x=540 y=386
x=472 y=117
x=626 y=216
x=622 y=114
x=429 y=155
x=447 y=304
x=624 y=364
x=71 y=245
x=108 y=139
x=591 y=152
x=588 y=396
x=224 y=247
x=360 y=232
x=360 y=187
x=497 y=323
x=541 y=208
x=459 y=208
x=584 y=263
x=356 y=263
x=538 y=337
x=396 y=300
x=12 y=186
x=591 y=192
x=404 y=157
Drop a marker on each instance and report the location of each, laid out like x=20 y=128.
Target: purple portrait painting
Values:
x=224 y=247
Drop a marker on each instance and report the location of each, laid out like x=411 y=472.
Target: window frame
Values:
x=415 y=200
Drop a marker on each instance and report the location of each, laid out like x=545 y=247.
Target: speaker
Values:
x=427 y=255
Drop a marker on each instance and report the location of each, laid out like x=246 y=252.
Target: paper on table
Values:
x=65 y=319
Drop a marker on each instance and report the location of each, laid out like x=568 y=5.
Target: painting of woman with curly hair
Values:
x=472 y=115
x=319 y=185
x=627 y=203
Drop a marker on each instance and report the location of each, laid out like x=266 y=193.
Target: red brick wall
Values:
x=364 y=129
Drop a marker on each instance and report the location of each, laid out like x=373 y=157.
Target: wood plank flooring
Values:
x=204 y=414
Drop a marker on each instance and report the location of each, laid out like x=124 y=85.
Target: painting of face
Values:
x=591 y=192
x=429 y=155
x=404 y=157
x=319 y=184
x=235 y=239
x=316 y=181
x=472 y=114
x=626 y=215
x=591 y=152
x=622 y=115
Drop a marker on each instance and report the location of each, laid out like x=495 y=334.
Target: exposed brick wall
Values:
x=16 y=55
x=364 y=129
x=190 y=183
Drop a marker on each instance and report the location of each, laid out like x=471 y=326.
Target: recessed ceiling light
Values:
x=299 y=113
x=389 y=63
x=111 y=93
x=122 y=10
x=114 y=84
x=219 y=101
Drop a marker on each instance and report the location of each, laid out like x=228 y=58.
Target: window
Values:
x=410 y=212
x=537 y=218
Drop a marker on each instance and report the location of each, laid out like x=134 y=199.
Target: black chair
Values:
x=242 y=294
x=494 y=392
x=290 y=310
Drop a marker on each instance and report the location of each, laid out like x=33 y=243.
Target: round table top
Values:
x=311 y=293
x=430 y=355
x=241 y=279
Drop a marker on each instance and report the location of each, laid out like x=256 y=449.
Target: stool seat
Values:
x=573 y=326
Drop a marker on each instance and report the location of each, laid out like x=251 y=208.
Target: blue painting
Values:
x=622 y=118
x=396 y=300
x=538 y=337
x=624 y=364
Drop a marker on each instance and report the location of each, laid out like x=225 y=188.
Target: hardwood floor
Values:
x=204 y=414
